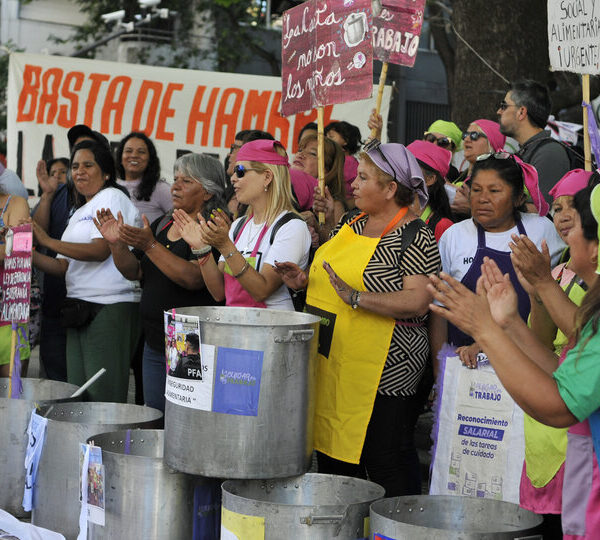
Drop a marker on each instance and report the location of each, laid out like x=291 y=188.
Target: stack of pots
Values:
x=57 y=492
x=263 y=446
x=14 y=419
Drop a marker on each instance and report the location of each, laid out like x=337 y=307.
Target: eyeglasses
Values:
x=375 y=144
x=495 y=155
x=234 y=147
x=444 y=142
x=473 y=135
x=503 y=105
x=240 y=170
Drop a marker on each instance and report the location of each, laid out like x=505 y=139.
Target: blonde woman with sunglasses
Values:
x=270 y=231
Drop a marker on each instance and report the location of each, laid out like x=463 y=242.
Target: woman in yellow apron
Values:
x=367 y=283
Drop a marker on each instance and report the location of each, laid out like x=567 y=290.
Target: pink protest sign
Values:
x=326 y=54
x=16 y=275
x=396 y=31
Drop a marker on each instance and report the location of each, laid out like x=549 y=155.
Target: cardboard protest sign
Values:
x=16 y=275
x=574 y=36
x=326 y=55
x=181 y=110
x=479 y=444
x=396 y=30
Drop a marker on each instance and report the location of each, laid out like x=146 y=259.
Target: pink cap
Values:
x=530 y=179
x=492 y=132
x=432 y=155
x=262 y=151
x=571 y=183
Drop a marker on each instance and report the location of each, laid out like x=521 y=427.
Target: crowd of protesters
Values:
x=515 y=237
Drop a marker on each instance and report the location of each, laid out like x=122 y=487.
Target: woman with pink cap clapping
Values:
x=271 y=230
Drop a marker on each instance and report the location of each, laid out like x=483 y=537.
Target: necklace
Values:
x=252 y=234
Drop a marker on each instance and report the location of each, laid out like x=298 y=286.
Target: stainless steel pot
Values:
x=138 y=485
x=449 y=517
x=56 y=495
x=278 y=441
x=312 y=507
x=14 y=419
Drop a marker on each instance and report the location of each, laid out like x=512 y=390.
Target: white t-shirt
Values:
x=160 y=201
x=291 y=243
x=459 y=243
x=93 y=281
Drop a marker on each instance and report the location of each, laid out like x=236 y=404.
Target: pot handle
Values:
x=296 y=335
x=321 y=520
x=534 y=537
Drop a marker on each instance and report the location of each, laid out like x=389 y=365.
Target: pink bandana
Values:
x=530 y=178
x=571 y=183
x=262 y=151
x=492 y=132
x=432 y=155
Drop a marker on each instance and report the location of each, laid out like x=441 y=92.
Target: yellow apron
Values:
x=353 y=346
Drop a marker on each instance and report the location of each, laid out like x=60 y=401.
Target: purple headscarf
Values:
x=402 y=165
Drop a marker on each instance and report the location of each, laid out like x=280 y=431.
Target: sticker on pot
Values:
x=189 y=363
x=378 y=536
x=92 y=483
x=236 y=526
x=237 y=381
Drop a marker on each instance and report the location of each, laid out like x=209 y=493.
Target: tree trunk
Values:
x=511 y=36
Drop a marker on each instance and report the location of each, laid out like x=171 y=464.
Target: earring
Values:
x=266 y=188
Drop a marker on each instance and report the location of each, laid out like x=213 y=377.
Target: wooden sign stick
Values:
x=321 y=156
x=587 y=150
x=382 y=77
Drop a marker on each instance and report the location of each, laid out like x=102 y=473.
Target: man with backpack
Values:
x=522 y=114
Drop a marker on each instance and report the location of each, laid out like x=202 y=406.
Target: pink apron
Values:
x=235 y=294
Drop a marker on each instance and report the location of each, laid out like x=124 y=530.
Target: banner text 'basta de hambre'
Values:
x=181 y=110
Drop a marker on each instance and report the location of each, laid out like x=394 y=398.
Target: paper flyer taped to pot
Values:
x=189 y=363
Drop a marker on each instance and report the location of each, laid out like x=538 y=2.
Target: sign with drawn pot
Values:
x=326 y=54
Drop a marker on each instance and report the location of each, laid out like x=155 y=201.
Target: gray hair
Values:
x=210 y=173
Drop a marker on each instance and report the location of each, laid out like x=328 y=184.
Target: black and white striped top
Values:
x=409 y=348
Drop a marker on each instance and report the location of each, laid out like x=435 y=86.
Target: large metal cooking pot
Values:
x=449 y=517
x=133 y=466
x=14 y=419
x=312 y=507
x=56 y=496
x=278 y=440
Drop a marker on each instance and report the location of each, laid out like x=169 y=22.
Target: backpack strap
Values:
x=281 y=222
x=409 y=234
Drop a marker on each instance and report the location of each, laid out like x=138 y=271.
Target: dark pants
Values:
x=53 y=349
x=389 y=456
x=155 y=377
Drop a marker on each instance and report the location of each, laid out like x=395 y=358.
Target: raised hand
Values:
x=107 y=225
x=342 y=289
x=216 y=231
x=323 y=203
x=189 y=229
x=534 y=266
x=140 y=238
x=501 y=295
x=47 y=183
x=292 y=275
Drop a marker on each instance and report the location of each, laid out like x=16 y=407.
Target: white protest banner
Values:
x=180 y=110
x=574 y=36
x=479 y=443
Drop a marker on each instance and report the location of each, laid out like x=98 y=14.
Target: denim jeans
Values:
x=154 y=371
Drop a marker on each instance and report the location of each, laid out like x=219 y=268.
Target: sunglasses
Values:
x=444 y=142
x=495 y=155
x=234 y=147
x=503 y=105
x=473 y=135
x=375 y=144
x=240 y=170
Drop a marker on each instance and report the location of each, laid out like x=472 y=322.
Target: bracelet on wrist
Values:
x=203 y=260
x=230 y=254
x=242 y=271
x=152 y=245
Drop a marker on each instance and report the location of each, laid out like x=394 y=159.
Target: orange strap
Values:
x=394 y=221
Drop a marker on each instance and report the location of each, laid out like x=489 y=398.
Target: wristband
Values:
x=201 y=251
x=242 y=271
x=230 y=254
x=355 y=299
x=203 y=260
x=152 y=245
